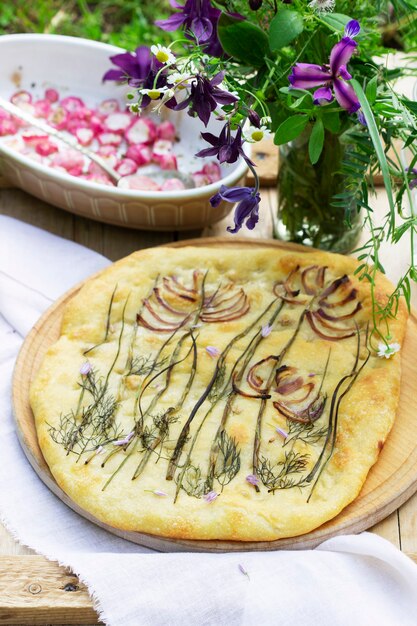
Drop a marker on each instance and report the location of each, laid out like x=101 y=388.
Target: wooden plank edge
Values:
x=35 y=591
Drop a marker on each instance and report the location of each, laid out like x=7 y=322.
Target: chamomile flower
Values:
x=253 y=134
x=167 y=95
x=163 y=54
x=179 y=79
x=322 y=6
x=387 y=350
x=154 y=93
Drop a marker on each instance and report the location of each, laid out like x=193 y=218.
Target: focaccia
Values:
x=218 y=393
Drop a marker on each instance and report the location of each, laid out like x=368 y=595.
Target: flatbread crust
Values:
x=101 y=331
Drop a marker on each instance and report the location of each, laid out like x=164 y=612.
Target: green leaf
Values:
x=285 y=27
x=242 y=40
x=371 y=89
x=379 y=148
x=290 y=129
x=331 y=122
x=305 y=102
x=315 y=144
x=336 y=21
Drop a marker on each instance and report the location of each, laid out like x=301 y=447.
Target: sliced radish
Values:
x=111 y=139
x=166 y=161
x=52 y=95
x=42 y=108
x=142 y=155
x=213 y=171
x=166 y=130
x=141 y=131
x=84 y=135
x=126 y=167
x=58 y=118
x=21 y=97
x=32 y=139
x=101 y=179
x=69 y=159
x=46 y=147
x=201 y=180
x=161 y=147
x=108 y=106
x=117 y=122
x=96 y=124
x=7 y=127
x=72 y=103
x=172 y=184
x=143 y=183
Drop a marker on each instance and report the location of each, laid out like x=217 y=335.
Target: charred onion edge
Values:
x=308 y=290
x=318 y=332
x=304 y=416
x=251 y=376
x=236 y=389
x=332 y=305
x=336 y=318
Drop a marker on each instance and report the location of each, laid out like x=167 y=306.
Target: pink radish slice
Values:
x=162 y=147
x=142 y=155
x=42 y=108
x=84 y=135
x=45 y=148
x=141 y=131
x=166 y=130
x=117 y=122
x=126 y=167
x=108 y=106
x=201 y=180
x=213 y=171
x=112 y=139
x=69 y=159
x=58 y=118
x=7 y=127
x=72 y=103
x=166 y=161
x=172 y=184
x=52 y=95
x=142 y=183
x=21 y=97
x=31 y=139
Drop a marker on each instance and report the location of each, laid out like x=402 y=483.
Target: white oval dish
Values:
x=75 y=66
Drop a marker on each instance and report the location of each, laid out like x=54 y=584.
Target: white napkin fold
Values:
x=348 y=580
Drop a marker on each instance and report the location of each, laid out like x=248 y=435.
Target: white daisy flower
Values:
x=163 y=54
x=387 y=350
x=322 y=6
x=253 y=134
x=154 y=93
x=168 y=94
x=179 y=79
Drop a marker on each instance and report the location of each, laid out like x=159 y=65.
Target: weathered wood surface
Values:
x=400 y=527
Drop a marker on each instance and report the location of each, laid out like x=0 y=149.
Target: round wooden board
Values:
x=391 y=481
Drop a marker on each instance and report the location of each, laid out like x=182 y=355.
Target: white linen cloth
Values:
x=349 y=580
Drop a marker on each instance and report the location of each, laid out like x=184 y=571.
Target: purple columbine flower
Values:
x=204 y=97
x=200 y=19
x=138 y=69
x=247 y=209
x=334 y=75
x=226 y=147
x=85 y=368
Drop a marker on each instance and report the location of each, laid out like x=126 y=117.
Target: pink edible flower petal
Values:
x=166 y=130
x=210 y=496
x=266 y=330
x=125 y=441
x=282 y=432
x=85 y=368
x=213 y=351
x=252 y=480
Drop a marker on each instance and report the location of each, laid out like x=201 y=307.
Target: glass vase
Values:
x=306 y=197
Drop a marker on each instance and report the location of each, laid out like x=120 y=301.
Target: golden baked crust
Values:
x=184 y=362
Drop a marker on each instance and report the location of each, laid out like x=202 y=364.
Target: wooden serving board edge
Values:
x=405 y=481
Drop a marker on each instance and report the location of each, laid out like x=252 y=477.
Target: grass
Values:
x=124 y=23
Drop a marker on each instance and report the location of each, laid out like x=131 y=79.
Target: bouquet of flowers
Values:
x=313 y=73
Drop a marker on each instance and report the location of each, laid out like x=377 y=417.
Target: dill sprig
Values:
x=228 y=462
x=192 y=481
x=282 y=474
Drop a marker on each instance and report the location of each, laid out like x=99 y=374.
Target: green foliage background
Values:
x=124 y=23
